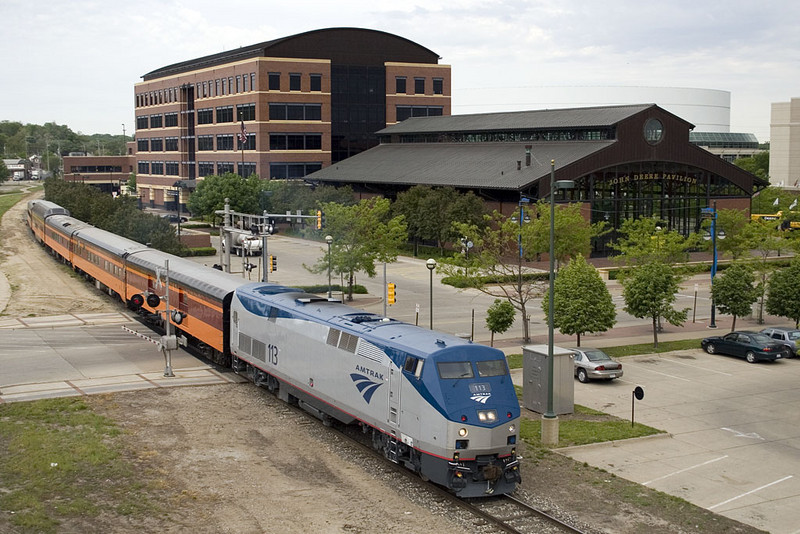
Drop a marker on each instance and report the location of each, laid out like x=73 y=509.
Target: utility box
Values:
x=535 y=378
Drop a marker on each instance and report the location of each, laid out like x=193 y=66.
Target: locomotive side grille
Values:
x=370 y=351
x=333 y=337
x=245 y=343
x=259 y=350
x=348 y=342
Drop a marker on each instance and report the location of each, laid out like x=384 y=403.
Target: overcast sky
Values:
x=75 y=62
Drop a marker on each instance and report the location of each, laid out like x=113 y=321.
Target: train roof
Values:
x=106 y=240
x=210 y=281
x=45 y=208
x=66 y=224
x=372 y=327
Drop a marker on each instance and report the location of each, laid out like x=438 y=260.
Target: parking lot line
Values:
x=657 y=372
x=698 y=367
x=750 y=492
x=685 y=469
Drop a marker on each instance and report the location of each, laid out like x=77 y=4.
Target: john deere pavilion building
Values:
x=626 y=161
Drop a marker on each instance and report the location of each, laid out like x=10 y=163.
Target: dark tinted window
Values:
x=492 y=368
x=455 y=370
x=275 y=81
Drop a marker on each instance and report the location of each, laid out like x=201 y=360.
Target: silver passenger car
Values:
x=594 y=364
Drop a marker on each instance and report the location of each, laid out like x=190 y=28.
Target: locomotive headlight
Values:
x=462 y=432
x=487 y=416
x=512 y=429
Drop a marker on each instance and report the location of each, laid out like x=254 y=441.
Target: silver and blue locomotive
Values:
x=442 y=406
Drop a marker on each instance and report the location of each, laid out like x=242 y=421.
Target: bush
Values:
x=202 y=251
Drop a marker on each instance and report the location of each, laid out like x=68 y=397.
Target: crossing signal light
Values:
x=273 y=263
x=390 y=293
x=137 y=301
x=153 y=300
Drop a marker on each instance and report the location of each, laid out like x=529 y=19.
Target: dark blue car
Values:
x=751 y=346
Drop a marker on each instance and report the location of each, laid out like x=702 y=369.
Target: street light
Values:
x=431 y=265
x=329 y=240
x=523 y=217
x=549 y=418
x=712 y=214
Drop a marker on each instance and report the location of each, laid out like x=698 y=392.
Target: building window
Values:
x=225 y=142
x=292 y=170
x=244 y=83
x=247 y=169
x=405 y=112
x=419 y=86
x=400 y=84
x=294 y=82
x=216 y=85
x=250 y=144
x=157 y=167
x=225 y=114
x=252 y=81
x=171 y=168
x=205 y=142
x=156 y=121
x=205 y=168
x=438 y=86
x=224 y=86
x=143 y=145
x=295 y=112
x=309 y=141
x=170 y=119
x=224 y=167
x=238 y=83
x=315 y=82
x=171 y=144
x=274 y=81
x=143 y=167
x=246 y=112
x=157 y=144
x=205 y=116
x=142 y=122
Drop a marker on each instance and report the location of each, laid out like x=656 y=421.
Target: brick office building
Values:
x=281 y=109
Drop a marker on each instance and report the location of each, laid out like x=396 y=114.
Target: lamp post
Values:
x=712 y=214
x=431 y=265
x=329 y=240
x=522 y=218
x=549 y=418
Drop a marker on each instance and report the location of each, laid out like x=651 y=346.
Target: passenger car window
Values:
x=492 y=368
x=455 y=370
x=776 y=335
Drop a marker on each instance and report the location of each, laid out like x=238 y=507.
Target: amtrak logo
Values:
x=480 y=397
x=365 y=385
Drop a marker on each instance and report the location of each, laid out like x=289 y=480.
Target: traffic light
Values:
x=319 y=220
x=273 y=263
x=153 y=300
x=390 y=293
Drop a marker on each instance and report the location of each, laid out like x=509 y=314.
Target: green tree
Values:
x=363 y=234
x=582 y=300
x=765 y=241
x=211 y=193
x=772 y=200
x=645 y=240
x=573 y=232
x=499 y=318
x=649 y=291
x=3 y=172
x=757 y=164
x=734 y=291
x=783 y=293
x=431 y=212
x=132 y=183
x=738 y=235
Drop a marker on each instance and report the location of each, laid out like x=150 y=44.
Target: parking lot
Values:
x=734 y=433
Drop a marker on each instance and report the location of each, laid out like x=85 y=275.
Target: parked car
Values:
x=174 y=218
x=788 y=336
x=594 y=364
x=752 y=346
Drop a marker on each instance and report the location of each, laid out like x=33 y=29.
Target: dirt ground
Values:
x=232 y=458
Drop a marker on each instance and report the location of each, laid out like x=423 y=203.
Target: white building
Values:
x=784 y=149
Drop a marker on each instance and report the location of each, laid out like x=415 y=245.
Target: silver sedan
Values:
x=594 y=364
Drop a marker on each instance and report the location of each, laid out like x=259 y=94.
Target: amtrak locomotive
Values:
x=442 y=406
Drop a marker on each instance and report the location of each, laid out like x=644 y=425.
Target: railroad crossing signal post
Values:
x=168 y=342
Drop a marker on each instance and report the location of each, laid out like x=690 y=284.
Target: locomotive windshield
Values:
x=492 y=368
x=455 y=370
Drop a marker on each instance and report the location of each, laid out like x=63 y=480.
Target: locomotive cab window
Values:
x=455 y=370
x=492 y=368
x=413 y=365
